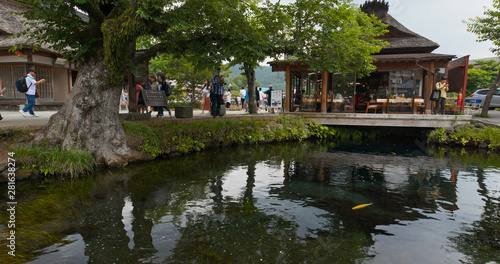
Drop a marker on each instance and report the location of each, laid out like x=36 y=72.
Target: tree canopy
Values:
x=334 y=35
x=101 y=35
x=486 y=28
x=481 y=77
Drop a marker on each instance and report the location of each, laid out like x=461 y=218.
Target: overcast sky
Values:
x=441 y=22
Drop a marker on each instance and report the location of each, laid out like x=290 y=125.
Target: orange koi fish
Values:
x=361 y=206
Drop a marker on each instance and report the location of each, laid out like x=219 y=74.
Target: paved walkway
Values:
x=16 y=120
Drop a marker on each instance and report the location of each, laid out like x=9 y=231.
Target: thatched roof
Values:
x=10 y=24
x=400 y=38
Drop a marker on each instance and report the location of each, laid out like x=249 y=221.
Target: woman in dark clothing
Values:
x=164 y=86
x=257 y=95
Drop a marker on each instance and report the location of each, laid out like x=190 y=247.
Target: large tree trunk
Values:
x=250 y=73
x=90 y=118
x=489 y=96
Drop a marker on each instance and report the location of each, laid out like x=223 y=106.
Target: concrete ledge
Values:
x=135 y=117
x=384 y=120
x=183 y=111
x=13 y=106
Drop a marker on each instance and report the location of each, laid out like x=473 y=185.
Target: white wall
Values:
x=13 y=59
x=43 y=60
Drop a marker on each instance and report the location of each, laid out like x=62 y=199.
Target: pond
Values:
x=285 y=203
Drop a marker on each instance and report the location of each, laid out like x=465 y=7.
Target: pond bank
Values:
x=170 y=137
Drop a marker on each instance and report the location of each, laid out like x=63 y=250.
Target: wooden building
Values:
x=406 y=71
x=49 y=65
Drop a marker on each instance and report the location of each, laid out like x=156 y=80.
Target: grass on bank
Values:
x=158 y=139
x=193 y=137
x=50 y=161
x=467 y=135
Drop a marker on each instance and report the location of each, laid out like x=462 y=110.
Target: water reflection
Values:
x=290 y=203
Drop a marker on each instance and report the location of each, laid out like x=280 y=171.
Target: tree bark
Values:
x=90 y=118
x=250 y=73
x=492 y=89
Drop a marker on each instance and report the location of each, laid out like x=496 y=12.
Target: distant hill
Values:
x=265 y=76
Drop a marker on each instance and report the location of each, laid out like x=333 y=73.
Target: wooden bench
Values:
x=295 y=107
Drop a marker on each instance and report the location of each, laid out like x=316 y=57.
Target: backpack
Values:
x=168 y=90
x=21 y=85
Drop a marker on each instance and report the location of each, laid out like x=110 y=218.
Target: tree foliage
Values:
x=487 y=29
x=241 y=81
x=334 y=35
x=481 y=76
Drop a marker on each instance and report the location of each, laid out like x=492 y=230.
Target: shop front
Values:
x=405 y=74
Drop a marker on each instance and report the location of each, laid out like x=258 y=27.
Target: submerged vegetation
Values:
x=46 y=210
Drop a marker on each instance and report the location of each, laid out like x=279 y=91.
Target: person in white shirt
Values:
x=243 y=94
x=228 y=98
x=261 y=97
x=205 y=103
x=30 y=94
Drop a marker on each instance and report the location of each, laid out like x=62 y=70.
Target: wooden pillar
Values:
x=428 y=89
x=323 y=91
x=288 y=92
x=132 y=100
x=466 y=70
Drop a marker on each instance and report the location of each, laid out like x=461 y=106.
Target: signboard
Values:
x=154 y=97
x=277 y=99
x=473 y=101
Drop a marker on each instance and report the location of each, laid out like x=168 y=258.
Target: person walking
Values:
x=442 y=86
x=165 y=87
x=243 y=94
x=228 y=98
x=257 y=97
x=2 y=93
x=268 y=94
x=218 y=92
x=153 y=84
x=246 y=99
x=261 y=97
x=205 y=103
x=30 y=94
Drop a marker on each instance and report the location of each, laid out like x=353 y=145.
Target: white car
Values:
x=481 y=94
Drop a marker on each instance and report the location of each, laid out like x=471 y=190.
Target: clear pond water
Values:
x=291 y=203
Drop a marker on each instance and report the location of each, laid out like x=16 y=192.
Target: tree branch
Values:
x=143 y=55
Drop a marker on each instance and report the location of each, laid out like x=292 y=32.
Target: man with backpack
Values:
x=31 y=83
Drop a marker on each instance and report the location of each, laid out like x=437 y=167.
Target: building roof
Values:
x=10 y=24
x=412 y=57
x=400 y=38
